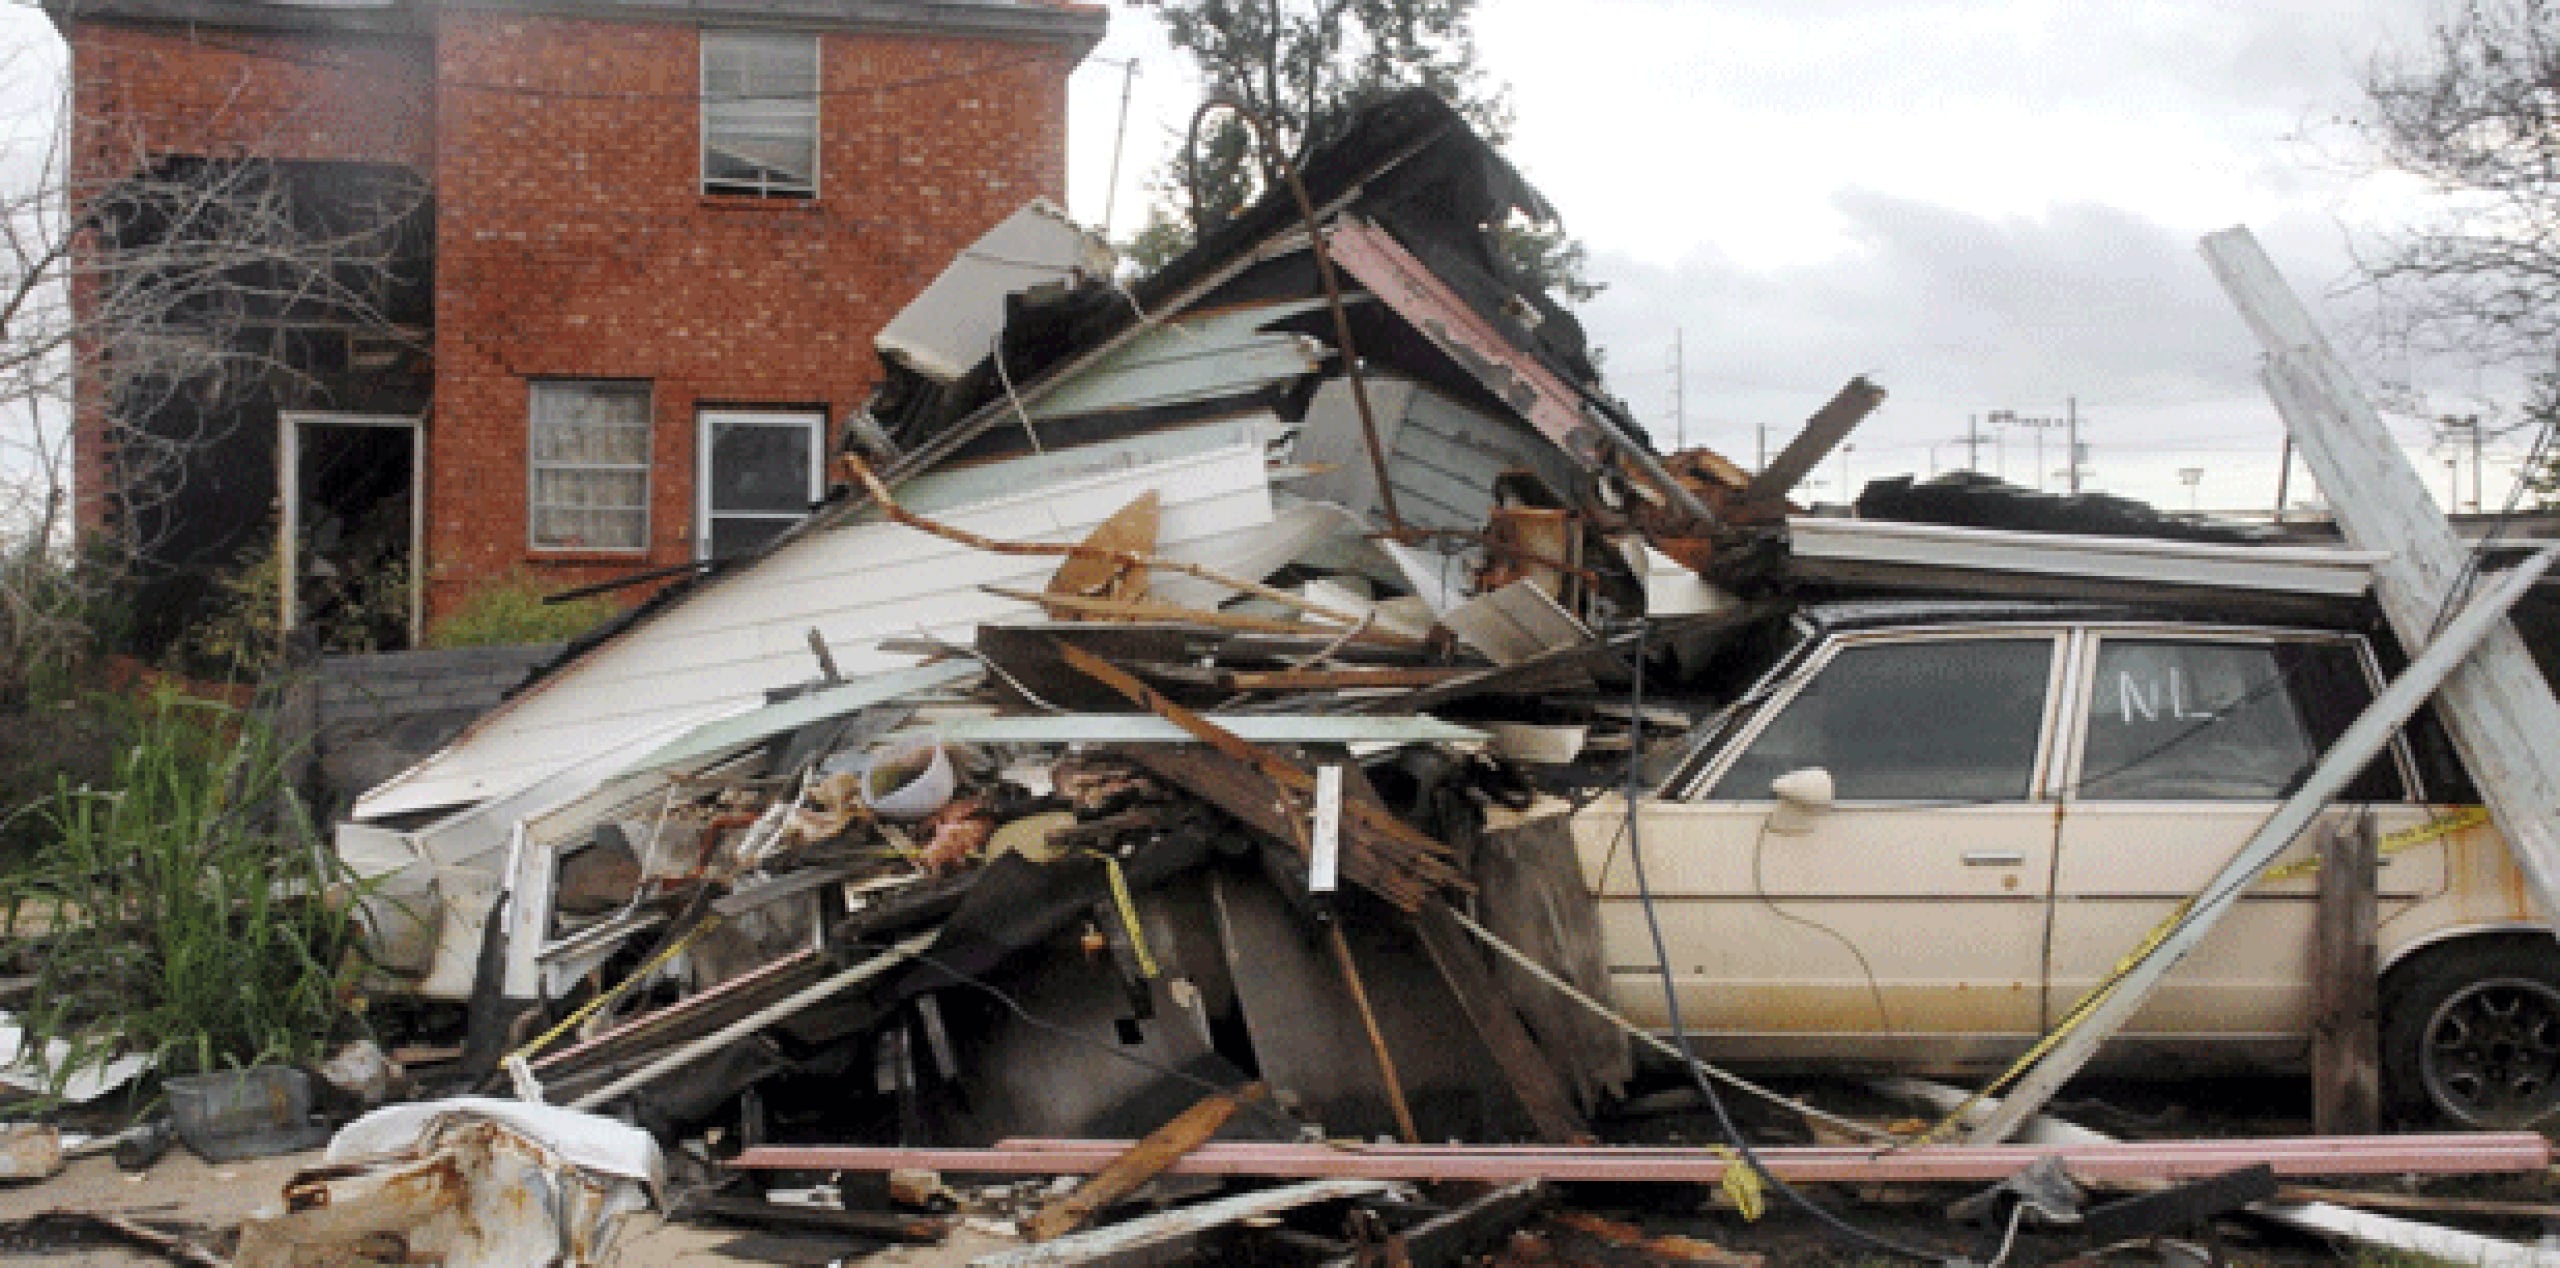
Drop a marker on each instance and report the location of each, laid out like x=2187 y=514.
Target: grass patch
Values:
x=186 y=908
x=509 y=610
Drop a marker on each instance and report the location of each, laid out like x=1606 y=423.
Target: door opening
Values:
x=351 y=529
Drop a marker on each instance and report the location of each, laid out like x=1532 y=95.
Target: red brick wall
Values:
x=140 y=93
x=574 y=241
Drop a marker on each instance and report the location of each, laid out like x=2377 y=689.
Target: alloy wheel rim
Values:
x=2490 y=1055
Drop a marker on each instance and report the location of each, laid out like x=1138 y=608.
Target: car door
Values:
x=1906 y=919
x=2185 y=741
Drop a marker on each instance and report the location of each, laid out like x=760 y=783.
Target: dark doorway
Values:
x=351 y=510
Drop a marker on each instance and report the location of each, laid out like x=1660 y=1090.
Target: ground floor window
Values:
x=761 y=469
x=589 y=441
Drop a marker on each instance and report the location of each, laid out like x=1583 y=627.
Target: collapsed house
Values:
x=1164 y=700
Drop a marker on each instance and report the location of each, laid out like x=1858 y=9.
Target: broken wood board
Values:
x=1180 y=1223
x=1106 y=569
x=1144 y=1161
x=1822 y=433
x=2346 y=1079
x=2497 y=706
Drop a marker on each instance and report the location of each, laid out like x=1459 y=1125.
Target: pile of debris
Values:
x=1154 y=762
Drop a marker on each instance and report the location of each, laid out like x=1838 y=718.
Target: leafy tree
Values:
x=1306 y=66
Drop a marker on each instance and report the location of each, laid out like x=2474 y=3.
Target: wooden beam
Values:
x=2497 y=706
x=1541 y=1090
x=1371 y=820
x=1822 y=433
x=2346 y=1094
x=1145 y=1160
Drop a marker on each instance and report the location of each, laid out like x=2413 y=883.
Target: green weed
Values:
x=188 y=909
x=510 y=610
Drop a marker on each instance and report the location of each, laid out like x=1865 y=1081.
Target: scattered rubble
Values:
x=1193 y=745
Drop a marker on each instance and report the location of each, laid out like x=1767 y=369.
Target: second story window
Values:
x=760 y=114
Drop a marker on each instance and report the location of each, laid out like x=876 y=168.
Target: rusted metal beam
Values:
x=2481 y=1153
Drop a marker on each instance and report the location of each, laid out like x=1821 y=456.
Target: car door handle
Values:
x=1994 y=858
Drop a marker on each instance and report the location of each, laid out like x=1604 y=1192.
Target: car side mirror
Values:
x=1802 y=797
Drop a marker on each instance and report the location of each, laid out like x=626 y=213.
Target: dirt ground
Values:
x=183 y=1193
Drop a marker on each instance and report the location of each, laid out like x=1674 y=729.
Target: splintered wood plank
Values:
x=1109 y=572
x=1145 y=1160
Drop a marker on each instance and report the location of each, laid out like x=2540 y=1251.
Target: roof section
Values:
x=1077 y=26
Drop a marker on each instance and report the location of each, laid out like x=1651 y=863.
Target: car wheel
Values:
x=2471 y=1035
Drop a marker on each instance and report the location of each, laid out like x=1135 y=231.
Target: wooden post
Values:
x=2346 y=1095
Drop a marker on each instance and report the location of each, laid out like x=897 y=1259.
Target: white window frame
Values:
x=535 y=466
x=814 y=420
x=817 y=132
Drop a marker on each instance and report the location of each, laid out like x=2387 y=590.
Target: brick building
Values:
x=651 y=245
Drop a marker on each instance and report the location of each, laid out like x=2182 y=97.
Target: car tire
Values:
x=2470 y=1035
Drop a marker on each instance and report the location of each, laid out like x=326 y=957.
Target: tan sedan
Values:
x=1987 y=808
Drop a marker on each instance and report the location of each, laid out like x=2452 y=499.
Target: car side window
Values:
x=1934 y=720
x=2187 y=720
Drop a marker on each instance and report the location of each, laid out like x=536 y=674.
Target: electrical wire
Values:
x=1671 y=997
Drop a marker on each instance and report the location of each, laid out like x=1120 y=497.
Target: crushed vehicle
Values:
x=1932 y=826
x=1240 y=674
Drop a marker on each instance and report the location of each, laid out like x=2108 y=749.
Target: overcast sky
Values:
x=1983 y=204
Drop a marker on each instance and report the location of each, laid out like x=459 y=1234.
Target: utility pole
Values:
x=1679 y=392
x=1973 y=443
x=2071 y=412
x=1763 y=464
x=1111 y=193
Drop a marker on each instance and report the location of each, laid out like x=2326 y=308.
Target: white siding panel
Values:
x=720 y=651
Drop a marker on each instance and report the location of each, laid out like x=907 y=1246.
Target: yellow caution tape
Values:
x=1128 y=906
x=2389 y=845
x=1741 y=1185
x=546 y=1038
x=2394 y=843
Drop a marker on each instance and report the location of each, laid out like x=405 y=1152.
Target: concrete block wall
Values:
x=378 y=715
